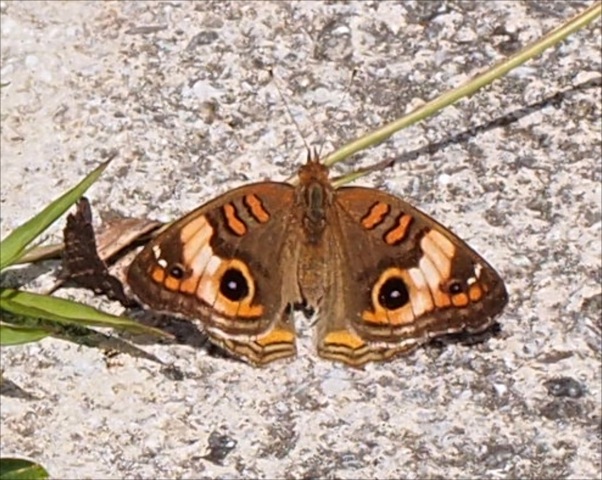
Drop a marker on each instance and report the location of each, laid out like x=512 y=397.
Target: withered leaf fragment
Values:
x=81 y=261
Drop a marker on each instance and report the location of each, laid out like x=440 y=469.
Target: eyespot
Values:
x=234 y=285
x=177 y=271
x=455 y=286
x=393 y=294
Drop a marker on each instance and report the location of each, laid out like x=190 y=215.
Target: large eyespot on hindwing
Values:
x=233 y=285
x=399 y=297
x=230 y=289
x=393 y=293
x=394 y=297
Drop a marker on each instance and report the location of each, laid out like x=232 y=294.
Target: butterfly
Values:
x=385 y=276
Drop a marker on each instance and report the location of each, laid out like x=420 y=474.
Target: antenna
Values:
x=290 y=113
x=288 y=109
x=338 y=107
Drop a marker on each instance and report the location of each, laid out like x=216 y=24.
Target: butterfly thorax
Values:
x=314 y=197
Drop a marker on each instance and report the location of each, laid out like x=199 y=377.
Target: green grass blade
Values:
x=21 y=469
x=19 y=334
x=452 y=96
x=14 y=245
x=67 y=312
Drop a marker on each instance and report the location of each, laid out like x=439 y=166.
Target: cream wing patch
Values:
x=422 y=300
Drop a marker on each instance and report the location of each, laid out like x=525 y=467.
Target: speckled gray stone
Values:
x=182 y=92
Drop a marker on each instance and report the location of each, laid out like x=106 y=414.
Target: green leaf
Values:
x=67 y=312
x=33 y=330
x=19 y=334
x=13 y=246
x=20 y=469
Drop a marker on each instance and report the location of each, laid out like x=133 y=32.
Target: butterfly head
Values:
x=314 y=196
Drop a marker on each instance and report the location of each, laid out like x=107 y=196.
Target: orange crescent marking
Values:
x=276 y=336
x=402 y=316
x=344 y=337
x=235 y=223
x=189 y=285
x=256 y=208
x=246 y=310
x=460 y=300
x=375 y=215
x=172 y=284
x=441 y=299
x=158 y=275
x=398 y=233
x=475 y=293
x=375 y=317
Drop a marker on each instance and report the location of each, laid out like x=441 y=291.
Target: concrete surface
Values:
x=181 y=92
